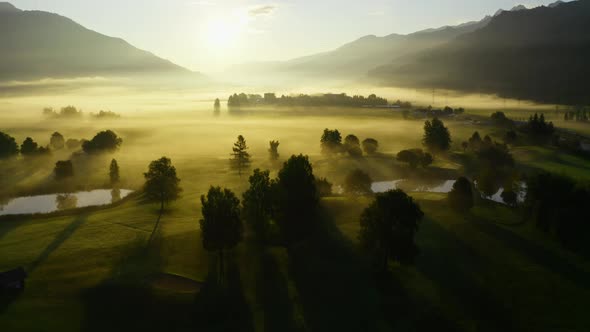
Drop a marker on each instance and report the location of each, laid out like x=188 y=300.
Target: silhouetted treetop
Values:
x=8 y=145
x=105 y=141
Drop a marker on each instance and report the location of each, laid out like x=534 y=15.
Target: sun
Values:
x=223 y=33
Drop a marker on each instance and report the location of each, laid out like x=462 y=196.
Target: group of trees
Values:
x=500 y=119
x=415 y=157
x=240 y=158
x=557 y=205
x=580 y=114
x=105 y=141
x=538 y=128
x=64 y=112
x=437 y=137
x=270 y=99
x=331 y=143
x=105 y=115
x=436 y=113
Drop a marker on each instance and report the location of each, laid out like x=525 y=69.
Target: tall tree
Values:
x=161 y=185
x=240 y=156
x=296 y=199
x=388 y=227
x=221 y=227
x=274 y=150
x=461 y=196
x=257 y=203
x=217 y=105
x=57 y=141
x=331 y=141
x=8 y=145
x=114 y=172
x=436 y=136
x=29 y=147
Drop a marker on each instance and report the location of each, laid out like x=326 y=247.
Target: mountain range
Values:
x=540 y=54
x=38 y=44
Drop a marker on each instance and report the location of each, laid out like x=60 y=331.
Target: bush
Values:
x=105 y=141
x=8 y=146
x=358 y=182
x=370 y=146
x=63 y=169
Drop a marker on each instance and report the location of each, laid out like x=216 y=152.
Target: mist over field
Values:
x=246 y=166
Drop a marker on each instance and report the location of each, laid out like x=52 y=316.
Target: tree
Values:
x=296 y=199
x=388 y=227
x=331 y=141
x=161 y=185
x=274 y=150
x=8 y=146
x=323 y=187
x=114 y=172
x=221 y=227
x=409 y=157
x=436 y=136
x=257 y=202
x=415 y=157
x=352 y=145
x=63 y=169
x=57 y=141
x=217 y=105
x=461 y=196
x=240 y=157
x=104 y=141
x=358 y=182
x=475 y=141
x=426 y=160
x=29 y=147
x=500 y=119
x=73 y=143
x=370 y=146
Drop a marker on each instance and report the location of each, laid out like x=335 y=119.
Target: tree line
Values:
x=330 y=99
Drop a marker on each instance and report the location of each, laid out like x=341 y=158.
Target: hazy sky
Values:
x=206 y=35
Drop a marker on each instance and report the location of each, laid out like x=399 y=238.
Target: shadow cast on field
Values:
x=59 y=239
x=126 y=301
x=334 y=284
x=457 y=275
x=537 y=253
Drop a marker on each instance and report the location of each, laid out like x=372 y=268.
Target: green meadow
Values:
x=94 y=270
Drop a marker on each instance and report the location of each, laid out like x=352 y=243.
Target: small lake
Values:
x=59 y=202
x=442 y=187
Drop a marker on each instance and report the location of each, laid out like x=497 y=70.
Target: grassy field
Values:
x=483 y=272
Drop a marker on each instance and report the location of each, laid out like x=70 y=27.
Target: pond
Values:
x=443 y=187
x=59 y=202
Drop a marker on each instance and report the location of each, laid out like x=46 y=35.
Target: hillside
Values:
x=538 y=54
x=38 y=44
x=355 y=59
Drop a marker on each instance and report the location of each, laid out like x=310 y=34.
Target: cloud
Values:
x=261 y=10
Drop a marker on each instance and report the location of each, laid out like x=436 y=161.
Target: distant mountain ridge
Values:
x=356 y=58
x=541 y=54
x=38 y=44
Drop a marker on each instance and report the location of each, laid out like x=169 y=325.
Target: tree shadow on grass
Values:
x=222 y=308
x=535 y=252
x=127 y=302
x=272 y=292
x=334 y=284
x=453 y=267
x=58 y=241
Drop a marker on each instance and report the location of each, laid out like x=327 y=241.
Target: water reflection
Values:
x=66 y=201
x=115 y=195
x=62 y=201
x=445 y=186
